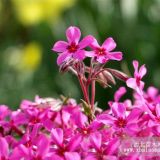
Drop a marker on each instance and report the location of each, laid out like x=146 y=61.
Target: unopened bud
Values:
x=109 y=77
x=118 y=74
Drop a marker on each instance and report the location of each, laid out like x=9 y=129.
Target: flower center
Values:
x=37 y=158
x=100 y=51
x=28 y=144
x=158 y=119
x=72 y=48
x=121 y=122
x=138 y=79
x=3 y=158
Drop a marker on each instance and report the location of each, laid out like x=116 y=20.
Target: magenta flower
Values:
x=103 y=53
x=120 y=119
x=73 y=48
x=65 y=148
x=136 y=83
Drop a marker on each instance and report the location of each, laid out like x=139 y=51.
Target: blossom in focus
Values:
x=74 y=48
x=136 y=83
x=32 y=12
x=104 y=53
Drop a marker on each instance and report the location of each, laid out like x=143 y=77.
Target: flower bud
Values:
x=109 y=77
x=118 y=74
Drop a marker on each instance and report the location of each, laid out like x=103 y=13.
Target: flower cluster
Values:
x=75 y=48
x=61 y=129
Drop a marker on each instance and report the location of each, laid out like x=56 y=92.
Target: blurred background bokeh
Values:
x=29 y=28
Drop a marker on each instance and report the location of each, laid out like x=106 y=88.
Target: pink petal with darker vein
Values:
x=72 y=156
x=80 y=55
x=60 y=46
x=62 y=57
x=73 y=34
x=86 y=41
x=115 y=56
x=57 y=136
x=109 y=44
x=94 y=44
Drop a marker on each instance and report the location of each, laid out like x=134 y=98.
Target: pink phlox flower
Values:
x=136 y=83
x=73 y=48
x=36 y=151
x=63 y=146
x=102 y=151
x=121 y=119
x=104 y=53
x=19 y=118
x=83 y=126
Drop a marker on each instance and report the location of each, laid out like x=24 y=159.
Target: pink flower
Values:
x=73 y=48
x=121 y=119
x=63 y=147
x=103 y=53
x=136 y=83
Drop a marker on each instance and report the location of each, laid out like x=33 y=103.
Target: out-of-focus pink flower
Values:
x=73 y=48
x=104 y=53
x=4 y=149
x=136 y=83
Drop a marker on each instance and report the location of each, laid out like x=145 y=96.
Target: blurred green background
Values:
x=29 y=28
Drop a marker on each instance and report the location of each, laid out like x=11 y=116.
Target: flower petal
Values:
x=142 y=71
x=134 y=115
x=135 y=65
x=62 y=57
x=3 y=147
x=158 y=110
x=80 y=55
x=109 y=44
x=106 y=119
x=118 y=110
x=115 y=56
x=152 y=92
x=42 y=141
x=90 y=54
x=86 y=41
x=74 y=143
x=113 y=146
x=94 y=44
x=102 y=59
x=119 y=93
x=131 y=83
x=96 y=140
x=57 y=136
x=73 y=34
x=60 y=46
x=72 y=156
